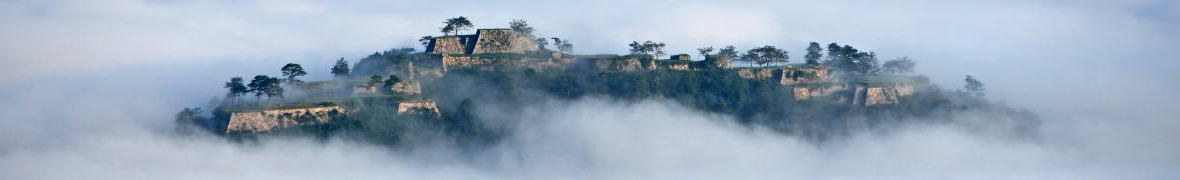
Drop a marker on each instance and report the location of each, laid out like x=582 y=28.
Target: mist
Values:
x=89 y=89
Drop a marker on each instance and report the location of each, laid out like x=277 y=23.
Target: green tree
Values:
x=186 y=119
x=851 y=60
x=899 y=66
x=341 y=68
x=656 y=49
x=456 y=25
x=542 y=43
x=236 y=89
x=425 y=40
x=563 y=45
x=974 y=86
x=375 y=80
x=728 y=51
x=705 y=51
x=273 y=88
x=521 y=27
x=393 y=79
x=766 y=55
x=292 y=71
x=259 y=86
x=833 y=53
x=813 y=53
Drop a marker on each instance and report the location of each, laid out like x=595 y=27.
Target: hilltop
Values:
x=404 y=96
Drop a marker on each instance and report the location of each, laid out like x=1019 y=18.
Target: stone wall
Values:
x=494 y=41
x=522 y=44
x=805 y=75
x=867 y=96
x=679 y=66
x=856 y=94
x=404 y=107
x=719 y=62
x=362 y=89
x=449 y=45
x=406 y=87
x=788 y=76
x=262 y=121
x=484 y=41
x=759 y=73
x=502 y=41
x=538 y=64
x=806 y=93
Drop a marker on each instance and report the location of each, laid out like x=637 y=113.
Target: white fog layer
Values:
x=89 y=89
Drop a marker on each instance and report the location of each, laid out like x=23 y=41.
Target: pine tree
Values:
x=341 y=68
x=813 y=53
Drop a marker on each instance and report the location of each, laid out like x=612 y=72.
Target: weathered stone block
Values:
x=261 y=121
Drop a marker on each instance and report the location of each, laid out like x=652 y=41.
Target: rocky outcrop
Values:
x=262 y=121
x=405 y=107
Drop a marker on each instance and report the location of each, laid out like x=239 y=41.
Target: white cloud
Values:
x=1101 y=73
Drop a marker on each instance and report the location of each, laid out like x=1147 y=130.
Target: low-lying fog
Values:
x=110 y=126
x=89 y=90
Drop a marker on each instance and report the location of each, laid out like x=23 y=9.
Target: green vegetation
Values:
x=456 y=25
x=711 y=85
x=813 y=53
x=521 y=27
x=655 y=49
x=705 y=51
x=292 y=71
x=341 y=68
x=899 y=66
x=766 y=55
x=973 y=86
x=563 y=45
x=265 y=85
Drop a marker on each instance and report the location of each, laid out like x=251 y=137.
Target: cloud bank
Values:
x=89 y=88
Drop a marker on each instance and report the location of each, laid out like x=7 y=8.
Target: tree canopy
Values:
x=728 y=52
x=521 y=27
x=236 y=88
x=899 y=66
x=456 y=25
x=973 y=86
x=705 y=51
x=563 y=45
x=341 y=68
x=292 y=71
x=265 y=85
x=766 y=55
x=656 y=49
x=425 y=40
x=813 y=53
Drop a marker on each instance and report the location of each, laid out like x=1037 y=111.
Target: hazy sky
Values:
x=81 y=80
